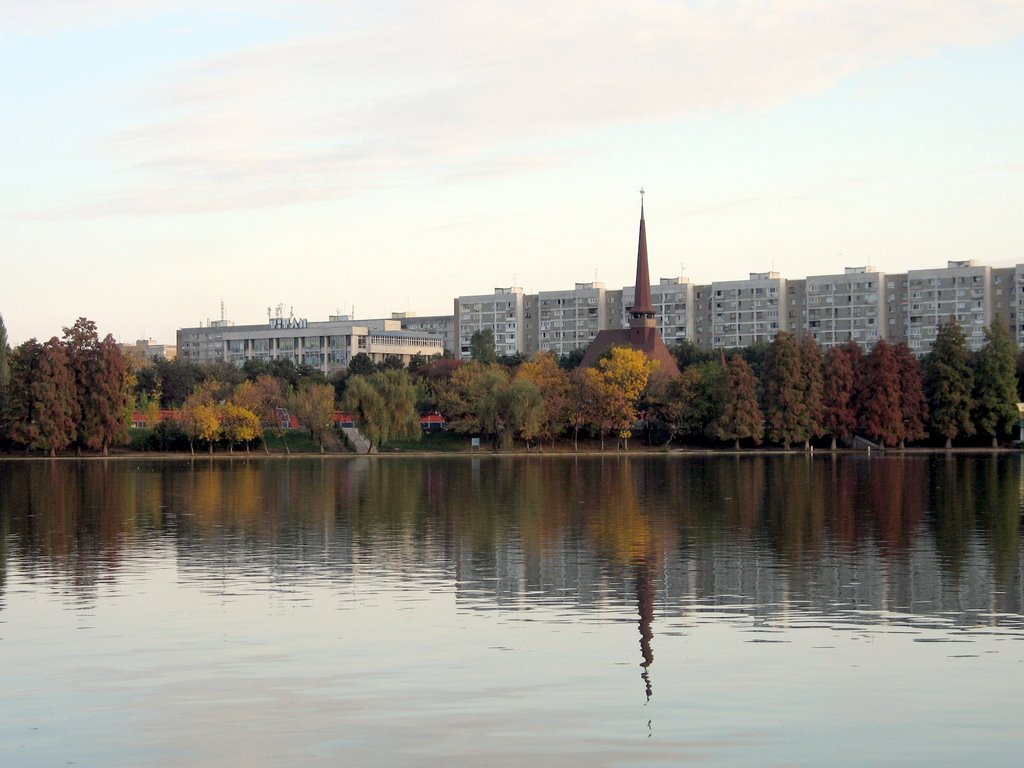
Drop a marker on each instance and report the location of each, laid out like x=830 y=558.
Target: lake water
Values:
x=494 y=611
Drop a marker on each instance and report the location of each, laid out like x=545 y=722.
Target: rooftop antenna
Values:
x=268 y=313
x=222 y=310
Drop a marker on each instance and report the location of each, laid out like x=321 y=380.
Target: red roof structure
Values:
x=643 y=332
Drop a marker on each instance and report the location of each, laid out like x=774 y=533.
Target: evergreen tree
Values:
x=878 y=400
x=913 y=403
x=839 y=390
x=786 y=410
x=481 y=347
x=739 y=416
x=949 y=383
x=21 y=409
x=996 y=383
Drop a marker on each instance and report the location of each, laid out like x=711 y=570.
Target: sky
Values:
x=163 y=158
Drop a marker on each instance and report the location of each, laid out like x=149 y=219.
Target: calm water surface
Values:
x=616 y=611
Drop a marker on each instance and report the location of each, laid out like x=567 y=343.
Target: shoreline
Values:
x=644 y=451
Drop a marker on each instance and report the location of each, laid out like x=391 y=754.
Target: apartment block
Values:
x=743 y=312
x=502 y=312
x=568 y=320
x=932 y=297
x=846 y=307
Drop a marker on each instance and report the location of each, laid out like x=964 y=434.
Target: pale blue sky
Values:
x=159 y=157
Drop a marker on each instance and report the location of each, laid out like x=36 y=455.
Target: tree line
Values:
x=79 y=392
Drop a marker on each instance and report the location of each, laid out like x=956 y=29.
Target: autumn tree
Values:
x=200 y=420
x=949 y=383
x=786 y=409
x=995 y=384
x=584 y=386
x=313 y=406
x=553 y=382
x=879 y=413
x=5 y=370
x=101 y=385
x=739 y=416
x=238 y=425
x=839 y=390
x=913 y=403
x=53 y=394
x=813 y=384
x=522 y=412
x=627 y=370
x=265 y=397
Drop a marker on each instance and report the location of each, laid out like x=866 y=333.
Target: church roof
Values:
x=642 y=292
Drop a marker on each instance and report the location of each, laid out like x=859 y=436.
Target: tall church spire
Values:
x=642 y=308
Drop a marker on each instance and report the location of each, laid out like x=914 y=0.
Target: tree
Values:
x=879 y=413
x=553 y=382
x=996 y=383
x=521 y=408
x=481 y=347
x=265 y=398
x=949 y=383
x=839 y=390
x=313 y=406
x=199 y=422
x=786 y=409
x=385 y=406
x=913 y=403
x=739 y=416
x=5 y=376
x=238 y=425
x=101 y=385
x=670 y=402
x=814 y=388
x=361 y=365
x=627 y=371
x=42 y=411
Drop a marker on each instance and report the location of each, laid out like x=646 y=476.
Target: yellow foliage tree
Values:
x=627 y=371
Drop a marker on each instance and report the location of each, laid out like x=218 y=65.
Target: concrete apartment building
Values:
x=929 y=298
x=842 y=308
x=327 y=345
x=738 y=313
x=568 y=320
x=502 y=312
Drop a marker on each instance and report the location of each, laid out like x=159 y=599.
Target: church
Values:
x=643 y=332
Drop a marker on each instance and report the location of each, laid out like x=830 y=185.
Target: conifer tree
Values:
x=814 y=388
x=913 y=403
x=878 y=400
x=739 y=416
x=949 y=383
x=996 y=383
x=786 y=410
x=840 y=386
x=5 y=376
x=53 y=394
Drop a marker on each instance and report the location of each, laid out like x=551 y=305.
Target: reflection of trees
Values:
x=562 y=528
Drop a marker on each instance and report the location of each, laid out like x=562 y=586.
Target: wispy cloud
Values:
x=456 y=89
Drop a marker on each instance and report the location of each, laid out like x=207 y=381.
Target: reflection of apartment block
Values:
x=568 y=320
x=673 y=302
x=326 y=345
x=502 y=312
x=846 y=307
x=932 y=297
x=743 y=312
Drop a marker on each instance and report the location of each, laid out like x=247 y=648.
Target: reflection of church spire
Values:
x=645 y=606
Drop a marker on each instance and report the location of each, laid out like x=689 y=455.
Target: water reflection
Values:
x=913 y=535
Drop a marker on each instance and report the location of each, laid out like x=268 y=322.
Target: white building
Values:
x=327 y=345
